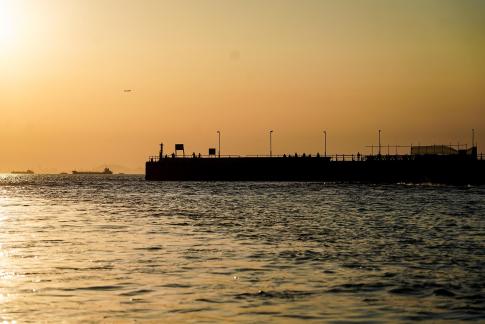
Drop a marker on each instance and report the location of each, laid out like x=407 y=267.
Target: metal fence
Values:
x=333 y=157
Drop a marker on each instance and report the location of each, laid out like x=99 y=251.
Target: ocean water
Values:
x=120 y=249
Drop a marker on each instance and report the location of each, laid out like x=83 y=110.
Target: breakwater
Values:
x=453 y=169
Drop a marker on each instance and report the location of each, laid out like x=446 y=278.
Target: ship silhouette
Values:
x=23 y=172
x=105 y=171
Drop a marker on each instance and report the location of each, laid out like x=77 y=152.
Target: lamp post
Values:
x=270 y=143
x=379 y=142
x=219 y=135
x=325 y=143
x=473 y=137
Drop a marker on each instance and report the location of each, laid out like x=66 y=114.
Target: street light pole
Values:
x=379 y=142
x=473 y=137
x=270 y=144
x=325 y=141
x=219 y=134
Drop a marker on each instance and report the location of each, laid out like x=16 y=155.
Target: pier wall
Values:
x=436 y=170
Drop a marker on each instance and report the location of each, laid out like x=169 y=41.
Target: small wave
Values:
x=286 y=294
x=404 y=291
x=190 y=310
x=176 y=285
x=443 y=292
x=359 y=266
x=150 y=248
x=206 y=300
x=137 y=292
x=474 y=297
x=359 y=287
x=95 y=288
x=299 y=316
x=270 y=313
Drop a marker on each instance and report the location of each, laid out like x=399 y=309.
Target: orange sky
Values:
x=414 y=69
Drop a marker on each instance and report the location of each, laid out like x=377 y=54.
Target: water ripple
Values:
x=118 y=248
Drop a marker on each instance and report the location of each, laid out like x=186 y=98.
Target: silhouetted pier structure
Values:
x=435 y=164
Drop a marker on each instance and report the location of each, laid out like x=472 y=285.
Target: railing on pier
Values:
x=334 y=157
x=156 y=158
x=362 y=157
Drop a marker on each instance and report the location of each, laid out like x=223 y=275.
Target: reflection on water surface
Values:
x=78 y=248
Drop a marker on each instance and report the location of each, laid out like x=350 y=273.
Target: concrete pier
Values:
x=450 y=169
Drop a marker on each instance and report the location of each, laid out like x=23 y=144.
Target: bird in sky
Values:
x=127 y=90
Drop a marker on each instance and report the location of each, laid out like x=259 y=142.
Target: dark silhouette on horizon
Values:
x=105 y=171
x=434 y=164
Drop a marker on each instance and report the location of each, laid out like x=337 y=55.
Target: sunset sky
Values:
x=415 y=69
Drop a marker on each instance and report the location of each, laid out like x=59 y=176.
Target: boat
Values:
x=434 y=164
x=105 y=171
x=23 y=172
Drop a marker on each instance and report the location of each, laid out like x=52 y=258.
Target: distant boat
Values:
x=106 y=171
x=23 y=172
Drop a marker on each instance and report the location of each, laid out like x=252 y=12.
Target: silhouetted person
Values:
x=358 y=156
x=173 y=155
x=193 y=155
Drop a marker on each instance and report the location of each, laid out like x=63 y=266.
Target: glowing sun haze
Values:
x=413 y=68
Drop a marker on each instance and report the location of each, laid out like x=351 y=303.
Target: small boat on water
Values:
x=23 y=172
x=105 y=171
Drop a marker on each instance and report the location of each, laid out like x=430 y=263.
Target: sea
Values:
x=98 y=248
